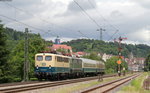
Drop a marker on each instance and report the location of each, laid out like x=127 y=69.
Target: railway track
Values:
x=19 y=83
x=107 y=87
x=27 y=87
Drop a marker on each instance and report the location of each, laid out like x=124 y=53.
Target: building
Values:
x=80 y=54
x=106 y=56
x=61 y=48
x=57 y=40
x=135 y=64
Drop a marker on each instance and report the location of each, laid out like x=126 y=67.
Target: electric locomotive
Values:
x=49 y=66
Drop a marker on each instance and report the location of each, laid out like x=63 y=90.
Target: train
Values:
x=56 y=66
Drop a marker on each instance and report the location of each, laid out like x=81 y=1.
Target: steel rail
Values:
x=12 y=89
x=111 y=83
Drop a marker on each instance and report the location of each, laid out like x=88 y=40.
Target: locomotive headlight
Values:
x=49 y=66
x=37 y=67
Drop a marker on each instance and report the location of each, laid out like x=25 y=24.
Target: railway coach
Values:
x=92 y=67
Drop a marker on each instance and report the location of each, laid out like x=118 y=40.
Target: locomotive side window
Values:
x=79 y=61
x=48 y=58
x=59 y=59
x=66 y=60
x=74 y=61
x=39 y=58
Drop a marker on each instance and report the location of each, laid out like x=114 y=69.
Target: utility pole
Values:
x=100 y=77
x=101 y=32
x=26 y=59
x=119 y=54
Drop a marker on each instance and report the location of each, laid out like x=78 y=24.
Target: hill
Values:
x=90 y=45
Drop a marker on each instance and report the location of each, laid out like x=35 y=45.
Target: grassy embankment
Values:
x=136 y=85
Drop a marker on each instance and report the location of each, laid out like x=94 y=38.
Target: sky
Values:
x=64 y=18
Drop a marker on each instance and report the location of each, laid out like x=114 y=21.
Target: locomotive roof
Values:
x=52 y=54
x=45 y=53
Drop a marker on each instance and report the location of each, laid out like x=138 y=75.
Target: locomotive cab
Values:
x=43 y=64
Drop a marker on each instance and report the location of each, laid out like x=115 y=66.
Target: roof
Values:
x=84 y=60
x=39 y=54
x=81 y=53
x=56 y=46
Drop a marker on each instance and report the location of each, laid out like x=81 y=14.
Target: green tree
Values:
x=36 y=45
x=147 y=64
x=91 y=45
x=3 y=56
x=112 y=66
x=93 y=56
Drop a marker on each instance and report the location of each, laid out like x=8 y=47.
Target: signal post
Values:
x=119 y=54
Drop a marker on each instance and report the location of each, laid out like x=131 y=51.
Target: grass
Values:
x=79 y=86
x=136 y=85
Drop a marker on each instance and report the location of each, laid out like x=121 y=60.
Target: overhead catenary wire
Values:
x=38 y=17
x=50 y=22
x=48 y=32
x=87 y=14
x=29 y=13
x=45 y=32
x=83 y=34
x=113 y=35
x=23 y=23
x=101 y=16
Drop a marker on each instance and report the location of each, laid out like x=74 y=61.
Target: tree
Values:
x=93 y=56
x=112 y=66
x=147 y=64
x=90 y=45
x=3 y=55
x=36 y=45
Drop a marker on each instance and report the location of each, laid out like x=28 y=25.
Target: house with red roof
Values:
x=65 y=48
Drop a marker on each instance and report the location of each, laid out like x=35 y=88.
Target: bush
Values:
x=33 y=79
x=17 y=79
x=6 y=79
x=109 y=71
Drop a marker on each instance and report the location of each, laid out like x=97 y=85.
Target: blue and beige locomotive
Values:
x=54 y=66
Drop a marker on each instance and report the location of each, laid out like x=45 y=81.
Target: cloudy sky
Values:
x=65 y=18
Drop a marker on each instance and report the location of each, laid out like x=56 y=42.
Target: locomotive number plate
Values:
x=43 y=64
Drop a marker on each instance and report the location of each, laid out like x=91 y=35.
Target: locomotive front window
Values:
x=39 y=58
x=48 y=58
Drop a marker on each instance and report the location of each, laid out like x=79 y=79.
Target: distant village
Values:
x=134 y=63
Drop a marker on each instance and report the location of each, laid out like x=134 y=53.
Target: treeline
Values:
x=12 y=53
x=90 y=45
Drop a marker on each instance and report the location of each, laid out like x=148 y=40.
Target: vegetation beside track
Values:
x=136 y=85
